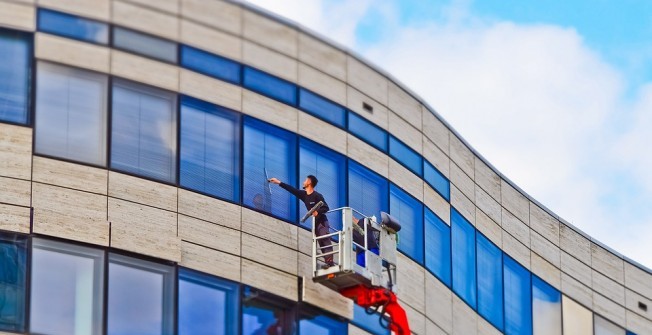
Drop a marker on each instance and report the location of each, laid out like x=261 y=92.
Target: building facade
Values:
x=136 y=137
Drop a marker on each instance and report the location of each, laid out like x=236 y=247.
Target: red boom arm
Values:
x=378 y=296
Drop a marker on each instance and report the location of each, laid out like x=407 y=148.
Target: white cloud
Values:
x=536 y=101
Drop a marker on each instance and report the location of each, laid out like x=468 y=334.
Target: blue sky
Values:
x=556 y=94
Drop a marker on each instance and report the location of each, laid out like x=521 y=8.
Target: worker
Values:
x=310 y=198
x=358 y=237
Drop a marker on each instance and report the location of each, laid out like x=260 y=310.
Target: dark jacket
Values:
x=310 y=200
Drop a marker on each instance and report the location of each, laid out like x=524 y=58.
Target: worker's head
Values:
x=311 y=181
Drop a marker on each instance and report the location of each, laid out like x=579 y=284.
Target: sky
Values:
x=557 y=95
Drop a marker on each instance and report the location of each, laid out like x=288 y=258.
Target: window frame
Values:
x=366 y=122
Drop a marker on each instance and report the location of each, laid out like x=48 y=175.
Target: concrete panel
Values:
x=144 y=230
x=607 y=263
x=353 y=330
x=270 y=61
x=638 y=324
x=439 y=303
x=210 y=261
x=462 y=156
x=486 y=328
x=14 y=218
x=76 y=176
x=545 y=248
x=608 y=288
x=575 y=268
x=544 y=224
x=304 y=242
x=489 y=228
x=95 y=9
x=465 y=319
x=209 y=209
x=609 y=309
x=322 y=84
x=269 y=253
x=435 y=130
x=211 y=40
x=516 y=228
x=265 y=227
x=463 y=205
x=405 y=132
x=142 y=191
x=17 y=16
x=436 y=203
x=144 y=70
x=416 y=320
x=146 y=20
x=462 y=181
x=632 y=300
x=217 y=14
x=546 y=271
x=170 y=6
x=318 y=130
x=638 y=280
x=433 y=329
x=436 y=157
x=321 y=296
x=322 y=56
x=15 y=191
x=15 y=151
x=270 y=33
x=576 y=290
x=515 y=249
x=404 y=105
x=368 y=81
x=71 y=52
x=269 y=110
x=367 y=155
x=575 y=244
x=487 y=204
x=209 y=234
x=70 y=214
x=411 y=283
x=515 y=202
x=270 y=280
x=355 y=101
x=487 y=179
x=405 y=179
x=212 y=90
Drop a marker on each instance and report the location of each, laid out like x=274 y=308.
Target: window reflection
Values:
x=259 y=318
x=13 y=270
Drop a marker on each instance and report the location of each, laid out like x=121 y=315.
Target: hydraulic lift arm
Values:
x=384 y=301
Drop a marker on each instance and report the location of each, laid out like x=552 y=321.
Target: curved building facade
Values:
x=136 y=137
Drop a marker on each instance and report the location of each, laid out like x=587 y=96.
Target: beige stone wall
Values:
x=106 y=208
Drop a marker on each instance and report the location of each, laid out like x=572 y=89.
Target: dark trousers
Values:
x=321 y=230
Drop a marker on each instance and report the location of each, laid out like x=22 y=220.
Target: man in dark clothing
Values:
x=310 y=198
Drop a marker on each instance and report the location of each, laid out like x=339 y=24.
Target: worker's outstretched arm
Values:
x=298 y=193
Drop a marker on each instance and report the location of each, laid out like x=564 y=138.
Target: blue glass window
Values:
x=546 y=308
x=15 y=52
x=330 y=169
x=75 y=129
x=13 y=274
x=269 y=152
x=210 y=149
x=141 y=297
x=406 y=156
x=144 y=44
x=436 y=180
x=322 y=108
x=490 y=281
x=463 y=246
x=409 y=212
x=368 y=322
x=368 y=191
x=210 y=64
x=368 y=131
x=144 y=131
x=438 y=247
x=319 y=324
x=207 y=305
x=518 y=298
x=71 y=26
x=271 y=86
x=630 y=333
